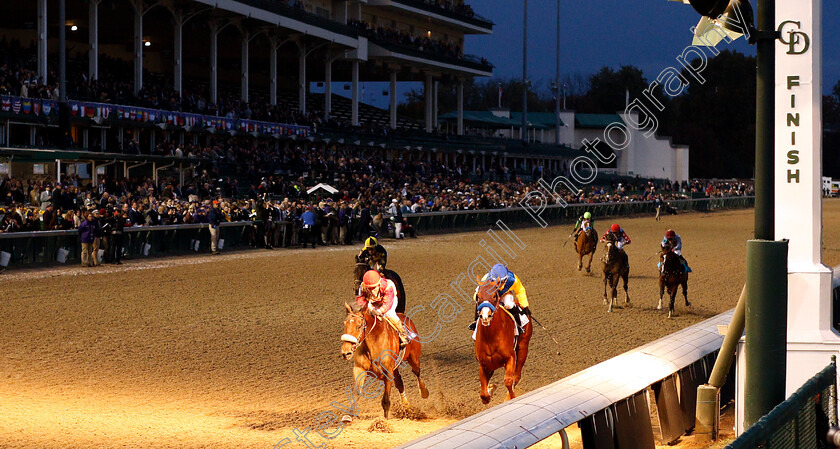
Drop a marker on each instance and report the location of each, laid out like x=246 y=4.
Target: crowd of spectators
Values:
x=455 y=6
x=406 y=39
x=18 y=74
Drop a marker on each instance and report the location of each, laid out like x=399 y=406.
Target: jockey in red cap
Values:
x=621 y=239
x=379 y=295
x=673 y=242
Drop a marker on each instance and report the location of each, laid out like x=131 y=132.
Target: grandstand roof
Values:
x=539 y=120
x=596 y=120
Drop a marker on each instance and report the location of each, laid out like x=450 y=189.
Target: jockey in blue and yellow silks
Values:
x=511 y=291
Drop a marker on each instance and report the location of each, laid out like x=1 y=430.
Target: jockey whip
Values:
x=567 y=240
x=549 y=333
x=652 y=256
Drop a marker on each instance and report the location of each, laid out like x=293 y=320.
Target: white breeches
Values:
x=508 y=300
x=619 y=244
x=390 y=313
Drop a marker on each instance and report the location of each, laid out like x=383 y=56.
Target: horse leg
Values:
x=398 y=382
x=673 y=294
x=589 y=265
x=614 y=286
x=685 y=292
x=606 y=278
x=414 y=362
x=510 y=374
x=661 y=292
x=580 y=260
x=386 y=396
x=624 y=277
x=484 y=375
x=522 y=354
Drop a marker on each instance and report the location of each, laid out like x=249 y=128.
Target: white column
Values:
x=428 y=87
x=93 y=39
x=811 y=339
x=138 y=45
x=272 y=72
x=178 y=37
x=328 y=86
x=460 y=107
x=103 y=139
x=393 y=93
x=354 y=120
x=244 y=52
x=42 y=41
x=302 y=78
x=214 y=63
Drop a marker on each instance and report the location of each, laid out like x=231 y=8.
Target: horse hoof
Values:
x=659 y=307
x=670 y=314
x=687 y=304
x=346 y=419
x=490 y=389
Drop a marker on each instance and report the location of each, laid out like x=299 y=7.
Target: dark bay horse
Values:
x=363 y=267
x=374 y=347
x=615 y=268
x=495 y=343
x=672 y=275
x=585 y=243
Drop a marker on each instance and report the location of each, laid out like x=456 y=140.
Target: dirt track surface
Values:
x=238 y=350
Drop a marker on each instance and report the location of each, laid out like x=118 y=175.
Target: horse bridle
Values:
x=357 y=340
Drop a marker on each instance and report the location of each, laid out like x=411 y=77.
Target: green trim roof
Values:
x=596 y=120
x=539 y=120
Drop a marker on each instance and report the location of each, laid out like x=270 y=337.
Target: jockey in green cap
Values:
x=583 y=223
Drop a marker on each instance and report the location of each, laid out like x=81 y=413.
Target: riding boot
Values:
x=401 y=330
x=626 y=259
x=516 y=312
x=686 y=268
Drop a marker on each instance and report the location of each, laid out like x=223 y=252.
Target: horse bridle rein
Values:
x=357 y=340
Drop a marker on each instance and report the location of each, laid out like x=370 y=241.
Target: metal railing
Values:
x=49 y=247
x=801 y=421
x=438 y=222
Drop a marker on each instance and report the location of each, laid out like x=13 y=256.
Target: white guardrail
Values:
x=597 y=395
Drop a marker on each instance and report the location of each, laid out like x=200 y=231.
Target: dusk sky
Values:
x=648 y=34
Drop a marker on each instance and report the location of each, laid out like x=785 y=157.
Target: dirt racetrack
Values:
x=239 y=350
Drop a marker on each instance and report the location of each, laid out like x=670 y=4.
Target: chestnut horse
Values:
x=585 y=243
x=495 y=343
x=374 y=347
x=672 y=275
x=615 y=268
x=363 y=267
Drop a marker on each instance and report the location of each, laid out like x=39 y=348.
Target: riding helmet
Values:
x=371 y=279
x=499 y=272
x=371 y=242
x=670 y=234
x=587 y=215
x=615 y=228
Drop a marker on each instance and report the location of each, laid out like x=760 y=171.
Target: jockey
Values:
x=621 y=239
x=583 y=223
x=674 y=243
x=374 y=254
x=380 y=297
x=510 y=290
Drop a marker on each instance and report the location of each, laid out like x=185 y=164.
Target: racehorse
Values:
x=671 y=275
x=585 y=243
x=363 y=267
x=374 y=347
x=615 y=267
x=495 y=343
